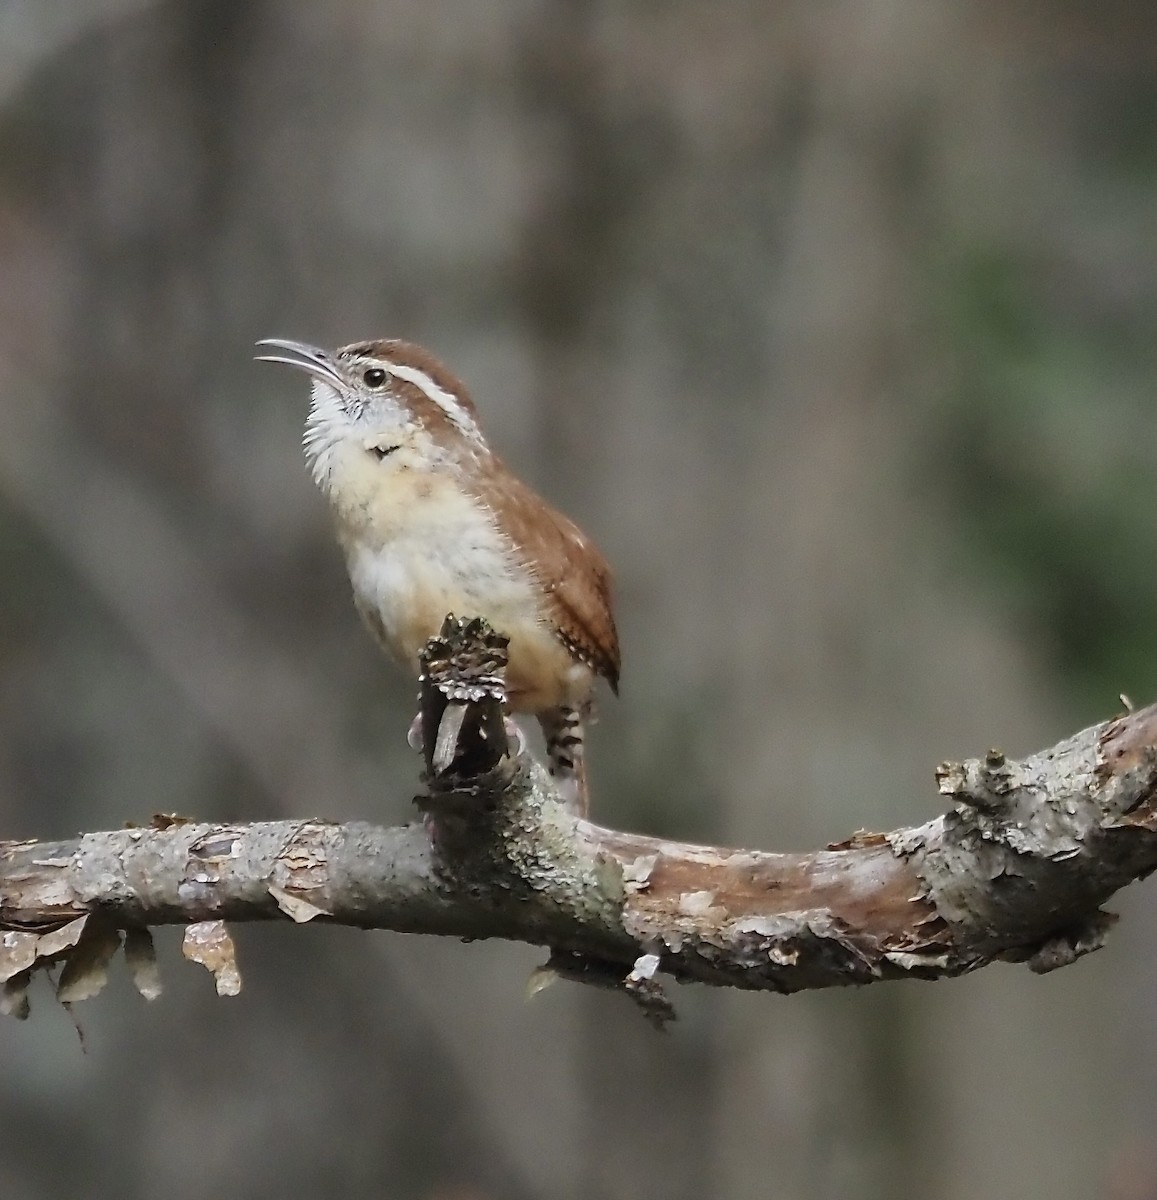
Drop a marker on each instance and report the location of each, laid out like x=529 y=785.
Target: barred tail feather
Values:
x=562 y=728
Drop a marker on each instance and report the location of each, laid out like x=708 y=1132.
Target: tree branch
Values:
x=1015 y=870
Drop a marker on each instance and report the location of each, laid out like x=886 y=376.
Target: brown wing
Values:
x=573 y=572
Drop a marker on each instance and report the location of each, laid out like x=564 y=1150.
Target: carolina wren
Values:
x=433 y=522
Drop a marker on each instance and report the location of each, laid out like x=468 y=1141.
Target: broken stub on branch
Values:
x=463 y=717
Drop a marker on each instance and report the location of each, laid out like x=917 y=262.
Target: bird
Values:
x=432 y=522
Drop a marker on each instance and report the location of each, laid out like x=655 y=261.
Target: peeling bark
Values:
x=1017 y=869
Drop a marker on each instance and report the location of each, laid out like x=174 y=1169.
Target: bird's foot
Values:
x=414 y=733
x=515 y=737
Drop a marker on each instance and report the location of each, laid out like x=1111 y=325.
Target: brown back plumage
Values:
x=575 y=577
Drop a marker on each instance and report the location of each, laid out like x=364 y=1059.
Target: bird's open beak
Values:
x=308 y=358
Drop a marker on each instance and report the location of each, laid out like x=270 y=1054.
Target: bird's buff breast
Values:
x=418 y=547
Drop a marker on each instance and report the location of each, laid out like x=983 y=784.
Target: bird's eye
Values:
x=374 y=377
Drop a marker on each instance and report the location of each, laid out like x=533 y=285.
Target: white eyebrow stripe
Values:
x=442 y=398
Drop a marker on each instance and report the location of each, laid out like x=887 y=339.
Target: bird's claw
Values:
x=414 y=733
x=515 y=737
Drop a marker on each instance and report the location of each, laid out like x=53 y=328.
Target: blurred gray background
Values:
x=834 y=324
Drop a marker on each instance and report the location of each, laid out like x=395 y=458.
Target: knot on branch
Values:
x=462 y=715
x=982 y=783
